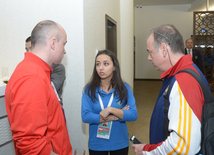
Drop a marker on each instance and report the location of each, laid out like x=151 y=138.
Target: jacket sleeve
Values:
x=88 y=116
x=29 y=115
x=131 y=114
x=184 y=121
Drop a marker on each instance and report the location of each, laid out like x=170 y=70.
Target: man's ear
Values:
x=53 y=43
x=164 y=49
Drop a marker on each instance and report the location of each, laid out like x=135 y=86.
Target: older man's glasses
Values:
x=162 y=36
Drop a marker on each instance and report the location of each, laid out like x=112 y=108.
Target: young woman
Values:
x=107 y=103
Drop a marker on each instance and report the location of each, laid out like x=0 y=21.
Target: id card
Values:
x=104 y=130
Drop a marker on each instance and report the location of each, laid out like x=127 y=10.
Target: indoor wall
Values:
x=94 y=33
x=149 y=17
x=17 y=21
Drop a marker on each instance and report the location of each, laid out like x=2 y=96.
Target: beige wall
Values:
x=127 y=41
x=94 y=29
x=17 y=21
x=149 y=17
x=94 y=34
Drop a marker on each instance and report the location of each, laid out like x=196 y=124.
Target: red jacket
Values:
x=34 y=112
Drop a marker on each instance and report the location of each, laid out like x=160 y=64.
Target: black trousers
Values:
x=117 y=152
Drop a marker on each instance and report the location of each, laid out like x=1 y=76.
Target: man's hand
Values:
x=138 y=148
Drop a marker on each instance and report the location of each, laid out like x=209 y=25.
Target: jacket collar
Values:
x=103 y=92
x=32 y=57
x=182 y=63
x=35 y=59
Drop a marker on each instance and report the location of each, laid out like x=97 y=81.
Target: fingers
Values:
x=115 y=118
x=133 y=145
x=104 y=115
x=104 y=118
x=138 y=148
x=126 y=107
x=111 y=118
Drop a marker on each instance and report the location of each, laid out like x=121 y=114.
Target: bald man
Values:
x=34 y=112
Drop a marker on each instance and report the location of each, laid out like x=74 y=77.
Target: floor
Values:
x=146 y=93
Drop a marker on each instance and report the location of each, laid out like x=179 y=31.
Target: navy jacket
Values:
x=197 y=59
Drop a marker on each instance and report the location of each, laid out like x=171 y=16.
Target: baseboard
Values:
x=148 y=80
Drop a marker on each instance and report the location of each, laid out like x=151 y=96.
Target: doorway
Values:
x=111 y=34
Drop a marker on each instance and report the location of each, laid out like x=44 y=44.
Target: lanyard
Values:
x=110 y=101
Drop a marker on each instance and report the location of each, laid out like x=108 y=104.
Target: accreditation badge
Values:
x=104 y=130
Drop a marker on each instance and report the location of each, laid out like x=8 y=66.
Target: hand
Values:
x=113 y=118
x=126 y=107
x=109 y=118
x=104 y=113
x=138 y=148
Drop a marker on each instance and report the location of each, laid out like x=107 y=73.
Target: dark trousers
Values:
x=117 y=152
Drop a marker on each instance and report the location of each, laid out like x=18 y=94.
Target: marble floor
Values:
x=146 y=93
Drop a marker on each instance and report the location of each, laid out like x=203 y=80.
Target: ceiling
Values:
x=195 y=5
x=162 y=2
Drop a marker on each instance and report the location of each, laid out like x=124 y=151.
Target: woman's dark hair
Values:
x=116 y=81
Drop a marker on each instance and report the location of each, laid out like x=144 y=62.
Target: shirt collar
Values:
x=189 y=49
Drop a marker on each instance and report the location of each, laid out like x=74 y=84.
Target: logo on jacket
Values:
x=165 y=92
x=119 y=103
